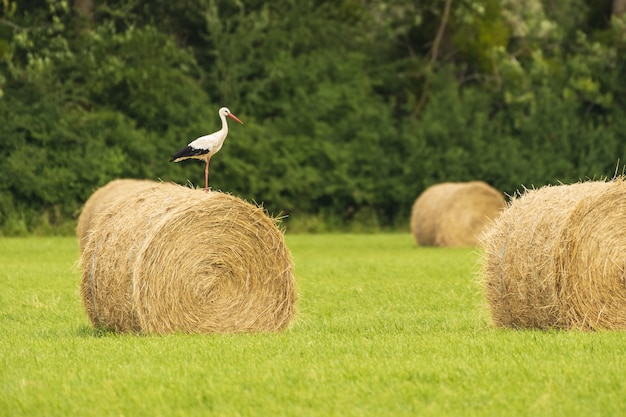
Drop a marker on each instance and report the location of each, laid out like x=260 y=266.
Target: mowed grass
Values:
x=384 y=329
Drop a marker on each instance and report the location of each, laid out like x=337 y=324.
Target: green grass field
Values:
x=384 y=329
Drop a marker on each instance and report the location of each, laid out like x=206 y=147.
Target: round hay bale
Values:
x=104 y=197
x=173 y=259
x=555 y=258
x=454 y=214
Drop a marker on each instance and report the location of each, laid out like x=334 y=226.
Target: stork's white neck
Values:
x=224 y=124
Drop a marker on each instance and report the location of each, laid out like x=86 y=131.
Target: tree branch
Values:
x=442 y=27
x=14 y=26
x=619 y=7
x=434 y=53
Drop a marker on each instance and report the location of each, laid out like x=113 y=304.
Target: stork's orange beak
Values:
x=232 y=116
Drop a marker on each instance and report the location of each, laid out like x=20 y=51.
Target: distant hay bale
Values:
x=173 y=259
x=555 y=258
x=454 y=213
x=102 y=198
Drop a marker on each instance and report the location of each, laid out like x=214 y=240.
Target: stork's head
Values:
x=225 y=112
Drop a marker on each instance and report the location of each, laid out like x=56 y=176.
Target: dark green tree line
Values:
x=351 y=108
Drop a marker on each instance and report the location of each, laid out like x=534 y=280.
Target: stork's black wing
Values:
x=188 y=152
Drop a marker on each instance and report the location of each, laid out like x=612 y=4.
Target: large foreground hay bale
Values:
x=556 y=258
x=454 y=213
x=102 y=198
x=175 y=259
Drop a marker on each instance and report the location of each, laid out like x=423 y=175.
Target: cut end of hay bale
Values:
x=454 y=214
x=102 y=198
x=180 y=260
x=554 y=258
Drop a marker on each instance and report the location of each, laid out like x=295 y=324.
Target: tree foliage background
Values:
x=351 y=107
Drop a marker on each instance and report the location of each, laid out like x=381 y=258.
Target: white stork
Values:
x=206 y=146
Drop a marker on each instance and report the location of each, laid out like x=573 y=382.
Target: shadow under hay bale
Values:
x=555 y=258
x=174 y=259
x=102 y=198
x=454 y=213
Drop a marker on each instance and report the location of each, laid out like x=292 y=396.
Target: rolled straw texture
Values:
x=102 y=198
x=173 y=259
x=454 y=213
x=555 y=258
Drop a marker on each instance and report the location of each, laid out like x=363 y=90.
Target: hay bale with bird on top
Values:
x=174 y=259
x=102 y=198
x=454 y=213
x=554 y=259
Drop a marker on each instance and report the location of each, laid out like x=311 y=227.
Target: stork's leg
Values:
x=206 y=175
